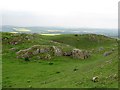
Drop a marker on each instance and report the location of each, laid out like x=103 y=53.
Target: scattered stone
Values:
x=107 y=53
x=115 y=76
x=95 y=79
x=101 y=49
x=113 y=49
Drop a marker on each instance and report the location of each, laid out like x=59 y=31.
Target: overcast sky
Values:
x=65 y=13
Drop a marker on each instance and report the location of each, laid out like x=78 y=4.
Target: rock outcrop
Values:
x=56 y=51
x=37 y=50
x=46 y=52
x=77 y=53
x=67 y=53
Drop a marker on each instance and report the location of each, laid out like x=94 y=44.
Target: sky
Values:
x=63 y=13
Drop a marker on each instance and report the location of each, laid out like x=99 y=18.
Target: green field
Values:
x=60 y=71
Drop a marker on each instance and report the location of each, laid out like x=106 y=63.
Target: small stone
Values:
x=13 y=49
x=107 y=53
x=113 y=49
x=115 y=76
x=101 y=48
x=95 y=79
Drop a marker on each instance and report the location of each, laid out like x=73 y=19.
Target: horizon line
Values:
x=59 y=26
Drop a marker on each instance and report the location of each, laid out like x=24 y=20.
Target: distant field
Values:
x=60 y=30
x=50 y=34
x=60 y=71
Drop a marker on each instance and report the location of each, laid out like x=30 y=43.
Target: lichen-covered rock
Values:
x=43 y=50
x=48 y=57
x=40 y=49
x=56 y=51
x=35 y=52
x=86 y=54
x=24 y=53
x=77 y=53
x=67 y=54
x=46 y=52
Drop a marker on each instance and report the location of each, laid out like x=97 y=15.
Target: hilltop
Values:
x=60 y=71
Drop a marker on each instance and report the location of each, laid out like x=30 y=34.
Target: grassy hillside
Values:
x=60 y=71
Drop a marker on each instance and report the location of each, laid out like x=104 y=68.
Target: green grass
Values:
x=42 y=74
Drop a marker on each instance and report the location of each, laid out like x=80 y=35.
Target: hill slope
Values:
x=60 y=71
